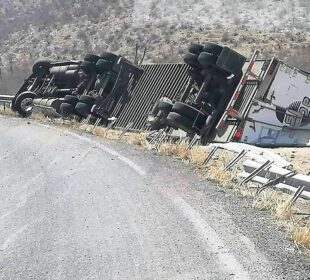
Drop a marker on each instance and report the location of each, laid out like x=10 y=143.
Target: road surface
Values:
x=75 y=206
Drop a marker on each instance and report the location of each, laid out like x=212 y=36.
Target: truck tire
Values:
x=187 y=111
x=195 y=48
x=165 y=106
x=67 y=110
x=88 y=67
x=206 y=59
x=41 y=67
x=103 y=66
x=109 y=56
x=212 y=48
x=91 y=58
x=23 y=103
x=82 y=109
x=37 y=101
x=191 y=60
x=73 y=100
x=178 y=121
x=87 y=99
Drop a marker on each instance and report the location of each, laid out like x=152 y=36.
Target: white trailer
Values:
x=270 y=107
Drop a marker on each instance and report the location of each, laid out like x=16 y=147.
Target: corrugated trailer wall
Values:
x=158 y=80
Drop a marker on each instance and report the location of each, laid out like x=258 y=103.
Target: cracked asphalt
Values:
x=75 y=206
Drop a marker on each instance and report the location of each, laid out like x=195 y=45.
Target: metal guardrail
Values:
x=6 y=100
x=268 y=173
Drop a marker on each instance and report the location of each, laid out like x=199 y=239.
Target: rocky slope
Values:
x=68 y=29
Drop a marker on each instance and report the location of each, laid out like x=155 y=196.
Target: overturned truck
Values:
x=77 y=88
x=217 y=95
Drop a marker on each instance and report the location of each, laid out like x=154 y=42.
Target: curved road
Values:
x=75 y=206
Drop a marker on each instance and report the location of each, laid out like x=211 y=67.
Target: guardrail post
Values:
x=296 y=196
x=128 y=126
x=193 y=142
x=160 y=140
x=256 y=172
x=274 y=182
x=235 y=160
x=211 y=154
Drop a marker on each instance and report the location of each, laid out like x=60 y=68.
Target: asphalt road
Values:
x=74 y=206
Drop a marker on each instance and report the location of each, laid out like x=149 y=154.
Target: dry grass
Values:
x=7 y=112
x=301 y=235
x=38 y=116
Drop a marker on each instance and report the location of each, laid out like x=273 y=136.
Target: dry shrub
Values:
x=138 y=139
x=179 y=150
x=215 y=170
x=198 y=155
x=7 y=112
x=38 y=116
x=106 y=133
x=301 y=236
x=270 y=200
x=283 y=211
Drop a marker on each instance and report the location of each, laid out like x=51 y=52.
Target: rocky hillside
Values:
x=68 y=29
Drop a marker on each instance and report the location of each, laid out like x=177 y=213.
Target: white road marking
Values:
x=226 y=260
x=112 y=152
x=14 y=236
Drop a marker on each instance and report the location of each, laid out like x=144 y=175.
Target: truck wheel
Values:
x=212 y=49
x=109 y=56
x=178 y=121
x=206 y=59
x=83 y=109
x=73 y=100
x=187 y=111
x=88 y=67
x=195 y=48
x=165 y=106
x=23 y=103
x=191 y=60
x=91 y=58
x=67 y=110
x=87 y=99
x=37 y=101
x=41 y=66
x=103 y=66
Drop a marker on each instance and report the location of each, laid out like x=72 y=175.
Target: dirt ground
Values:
x=299 y=157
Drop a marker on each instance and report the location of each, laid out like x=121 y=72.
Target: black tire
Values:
x=88 y=67
x=91 y=58
x=73 y=67
x=103 y=66
x=44 y=102
x=195 y=48
x=195 y=74
x=55 y=103
x=212 y=48
x=206 y=59
x=83 y=109
x=23 y=103
x=205 y=72
x=67 y=110
x=87 y=99
x=187 y=111
x=41 y=67
x=37 y=101
x=73 y=100
x=178 y=121
x=109 y=56
x=72 y=74
x=165 y=106
x=191 y=60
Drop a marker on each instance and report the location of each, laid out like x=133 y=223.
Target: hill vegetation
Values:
x=59 y=29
